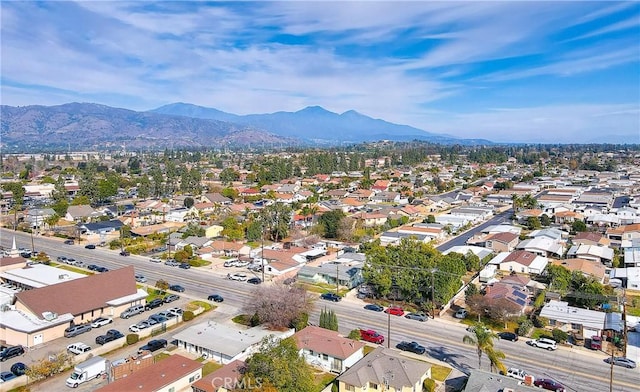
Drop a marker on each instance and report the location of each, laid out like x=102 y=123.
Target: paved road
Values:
x=579 y=369
x=462 y=239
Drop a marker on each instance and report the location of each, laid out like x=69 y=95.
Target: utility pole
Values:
x=433 y=298
x=388 y=329
x=262 y=252
x=337 y=279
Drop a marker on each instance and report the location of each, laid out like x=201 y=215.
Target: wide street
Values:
x=577 y=368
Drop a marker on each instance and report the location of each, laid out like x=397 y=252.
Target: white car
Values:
x=101 y=321
x=175 y=311
x=461 y=314
x=516 y=373
x=239 y=277
x=545 y=343
x=140 y=326
x=78 y=348
x=155 y=259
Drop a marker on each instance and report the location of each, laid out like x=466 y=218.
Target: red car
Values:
x=395 y=310
x=549 y=385
x=369 y=335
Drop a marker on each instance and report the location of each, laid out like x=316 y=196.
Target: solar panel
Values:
x=519 y=294
x=520 y=302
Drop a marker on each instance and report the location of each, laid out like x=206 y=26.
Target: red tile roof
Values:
x=521 y=257
x=80 y=295
x=156 y=377
x=328 y=342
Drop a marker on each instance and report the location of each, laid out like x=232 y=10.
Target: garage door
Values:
x=38 y=339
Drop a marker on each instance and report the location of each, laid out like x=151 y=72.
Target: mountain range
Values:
x=94 y=126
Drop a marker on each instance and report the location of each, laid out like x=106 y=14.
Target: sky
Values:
x=514 y=71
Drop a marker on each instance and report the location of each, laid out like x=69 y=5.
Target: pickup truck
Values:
x=369 y=335
x=78 y=348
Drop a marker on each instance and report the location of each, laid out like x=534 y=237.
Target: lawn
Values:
x=439 y=372
x=633 y=303
x=210 y=367
x=322 y=288
x=322 y=380
x=242 y=319
x=74 y=269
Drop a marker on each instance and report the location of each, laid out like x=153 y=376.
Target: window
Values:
x=373 y=385
x=172 y=389
x=522 y=269
x=325 y=357
x=349 y=388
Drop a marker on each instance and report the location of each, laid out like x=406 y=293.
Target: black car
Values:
x=215 y=298
x=19 y=368
x=154 y=303
x=254 y=281
x=411 y=346
x=331 y=297
x=508 y=336
x=176 y=287
x=92 y=267
x=102 y=269
x=68 y=242
x=110 y=336
x=90 y=246
x=184 y=265
x=11 y=352
x=374 y=307
x=153 y=345
x=124 y=253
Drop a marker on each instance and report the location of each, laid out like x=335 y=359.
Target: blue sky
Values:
x=518 y=71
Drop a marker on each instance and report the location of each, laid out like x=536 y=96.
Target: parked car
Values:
x=215 y=298
x=153 y=345
x=230 y=263
x=622 y=361
x=508 y=336
x=10 y=352
x=92 y=267
x=170 y=298
x=76 y=330
x=78 y=348
x=90 y=246
x=461 y=314
x=395 y=310
x=140 y=326
x=171 y=263
x=177 y=311
x=239 y=277
x=417 y=316
x=374 y=307
x=369 y=335
x=69 y=242
x=140 y=278
x=110 y=336
x=154 y=303
x=19 y=368
x=101 y=321
x=412 y=347
x=6 y=376
x=102 y=269
x=132 y=311
x=331 y=297
x=176 y=287
x=549 y=385
x=158 y=318
x=155 y=259
x=124 y=253
x=593 y=343
x=545 y=343
x=242 y=263
x=254 y=281
x=516 y=373
x=184 y=265
x=167 y=314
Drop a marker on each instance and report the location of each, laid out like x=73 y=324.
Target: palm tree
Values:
x=483 y=338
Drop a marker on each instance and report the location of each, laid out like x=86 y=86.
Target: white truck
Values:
x=87 y=370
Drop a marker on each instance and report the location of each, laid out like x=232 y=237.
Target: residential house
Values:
x=432 y=232
x=174 y=373
x=394 y=238
x=328 y=350
x=542 y=246
x=371 y=219
x=502 y=242
x=589 y=268
x=631 y=252
x=348 y=273
x=380 y=185
x=567 y=217
x=182 y=214
x=36 y=217
x=626 y=232
x=465 y=249
x=225 y=379
x=362 y=194
x=590 y=238
x=629 y=277
x=387 y=370
x=602 y=254
x=522 y=261
x=213 y=231
x=100 y=228
x=217 y=198
x=472 y=214
x=204 y=340
x=484 y=381
x=510 y=290
x=81 y=213
x=585 y=322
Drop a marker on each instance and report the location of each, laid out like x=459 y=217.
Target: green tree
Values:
x=16 y=189
x=330 y=221
x=471 y=290
x=545 y=220
x=81 y=200
x=232 y=229
x=60 y=207
x=279 y=368
x=328 y=319
x=188 y=202
x=533 y=223
x=276 y=218
x=482 y=338
x=578 y=226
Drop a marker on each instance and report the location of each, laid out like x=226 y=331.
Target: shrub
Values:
x=524 y=327
x=540 y=322
x=559 y=335
x=132 y=338
x=255 y=320
x=429 y=385
x=300 y=322
x=354 y=334
x=188 y=316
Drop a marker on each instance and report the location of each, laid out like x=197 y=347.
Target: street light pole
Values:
x=262 y=253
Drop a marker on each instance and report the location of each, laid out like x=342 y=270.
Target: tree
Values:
x=578 y=226
x=483 y=338
x=52 y=220
x=501 y=309
x=162 y=284
x=471 y=290
x=545 y=220
x=188 y=202
x=328 y=320
x=276 y=366
x=533 y=223
x=232 y=229
x=330 y=221
x=276 y=219
x=477 y=304
x=430 y=219
x=279 y=305
x=49 y=366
